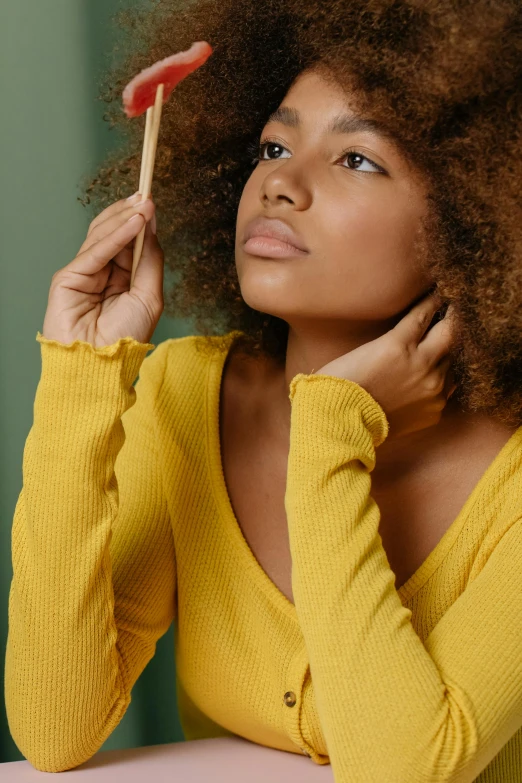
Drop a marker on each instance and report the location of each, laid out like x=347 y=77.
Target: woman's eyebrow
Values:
x=343 y=123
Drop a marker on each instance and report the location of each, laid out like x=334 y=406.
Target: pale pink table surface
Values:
x=222 y=760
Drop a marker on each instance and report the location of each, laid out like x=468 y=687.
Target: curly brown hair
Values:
x=443 y=77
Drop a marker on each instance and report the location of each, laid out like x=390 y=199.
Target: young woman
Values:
x=336 y=536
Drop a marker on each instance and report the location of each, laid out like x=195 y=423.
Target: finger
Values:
x=437 y=383
x=450 y=385
x=413 y=326
x=113 y=209
x=124 y=259
x=148 y=279
x=446 y=366
x=122 y=266
x=145 y=207
x=100 y=253
x=443 y=366
x=440 y=339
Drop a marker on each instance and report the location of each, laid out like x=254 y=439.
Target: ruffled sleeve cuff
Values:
x=64 y=364
x=326 y=408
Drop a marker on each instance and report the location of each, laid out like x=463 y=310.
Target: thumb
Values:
x=450 y=384
x=148 y=279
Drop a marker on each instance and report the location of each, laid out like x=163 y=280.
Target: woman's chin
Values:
x=271 y=302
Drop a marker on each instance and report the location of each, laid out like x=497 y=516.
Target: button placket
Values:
x=292 y=698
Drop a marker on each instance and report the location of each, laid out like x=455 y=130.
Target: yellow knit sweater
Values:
x=124 y=525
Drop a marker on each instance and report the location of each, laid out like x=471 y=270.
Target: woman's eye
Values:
x=275 y=148
x=356 y=157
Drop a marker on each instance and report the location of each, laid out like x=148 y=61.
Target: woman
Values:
x=338 y=545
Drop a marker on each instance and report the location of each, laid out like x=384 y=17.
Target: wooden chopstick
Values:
x=148 y=159
x=148 y=126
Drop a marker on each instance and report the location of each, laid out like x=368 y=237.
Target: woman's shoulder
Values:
x=181 y=365
x=193 y=353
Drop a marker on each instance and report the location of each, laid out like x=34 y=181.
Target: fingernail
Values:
x=139 y=204
x=134 y=195
x=153 y=224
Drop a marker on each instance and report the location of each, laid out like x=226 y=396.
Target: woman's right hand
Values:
x=90 y=300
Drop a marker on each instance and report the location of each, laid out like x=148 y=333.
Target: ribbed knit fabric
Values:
x=124 y=524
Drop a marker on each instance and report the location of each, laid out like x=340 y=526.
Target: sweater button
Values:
x=289 y=698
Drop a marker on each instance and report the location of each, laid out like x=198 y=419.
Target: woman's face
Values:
x=357 y=215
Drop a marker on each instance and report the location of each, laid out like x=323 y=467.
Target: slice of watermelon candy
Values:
x=140 y=93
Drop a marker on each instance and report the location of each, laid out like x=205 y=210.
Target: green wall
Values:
x=51 y=135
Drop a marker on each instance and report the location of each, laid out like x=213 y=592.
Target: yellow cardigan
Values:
x=124 y=525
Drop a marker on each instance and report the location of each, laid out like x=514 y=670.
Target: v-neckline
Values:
x=233 y=528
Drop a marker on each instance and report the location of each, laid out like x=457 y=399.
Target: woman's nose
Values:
x=287 y=186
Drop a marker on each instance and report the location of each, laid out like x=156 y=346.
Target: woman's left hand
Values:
x=407 y=375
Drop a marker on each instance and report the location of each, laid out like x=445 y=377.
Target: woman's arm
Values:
x=94 y=575
x=392 y=708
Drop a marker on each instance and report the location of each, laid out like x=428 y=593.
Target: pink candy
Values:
x=140 y=93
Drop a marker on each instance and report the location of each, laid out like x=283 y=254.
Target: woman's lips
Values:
x=271 y=248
